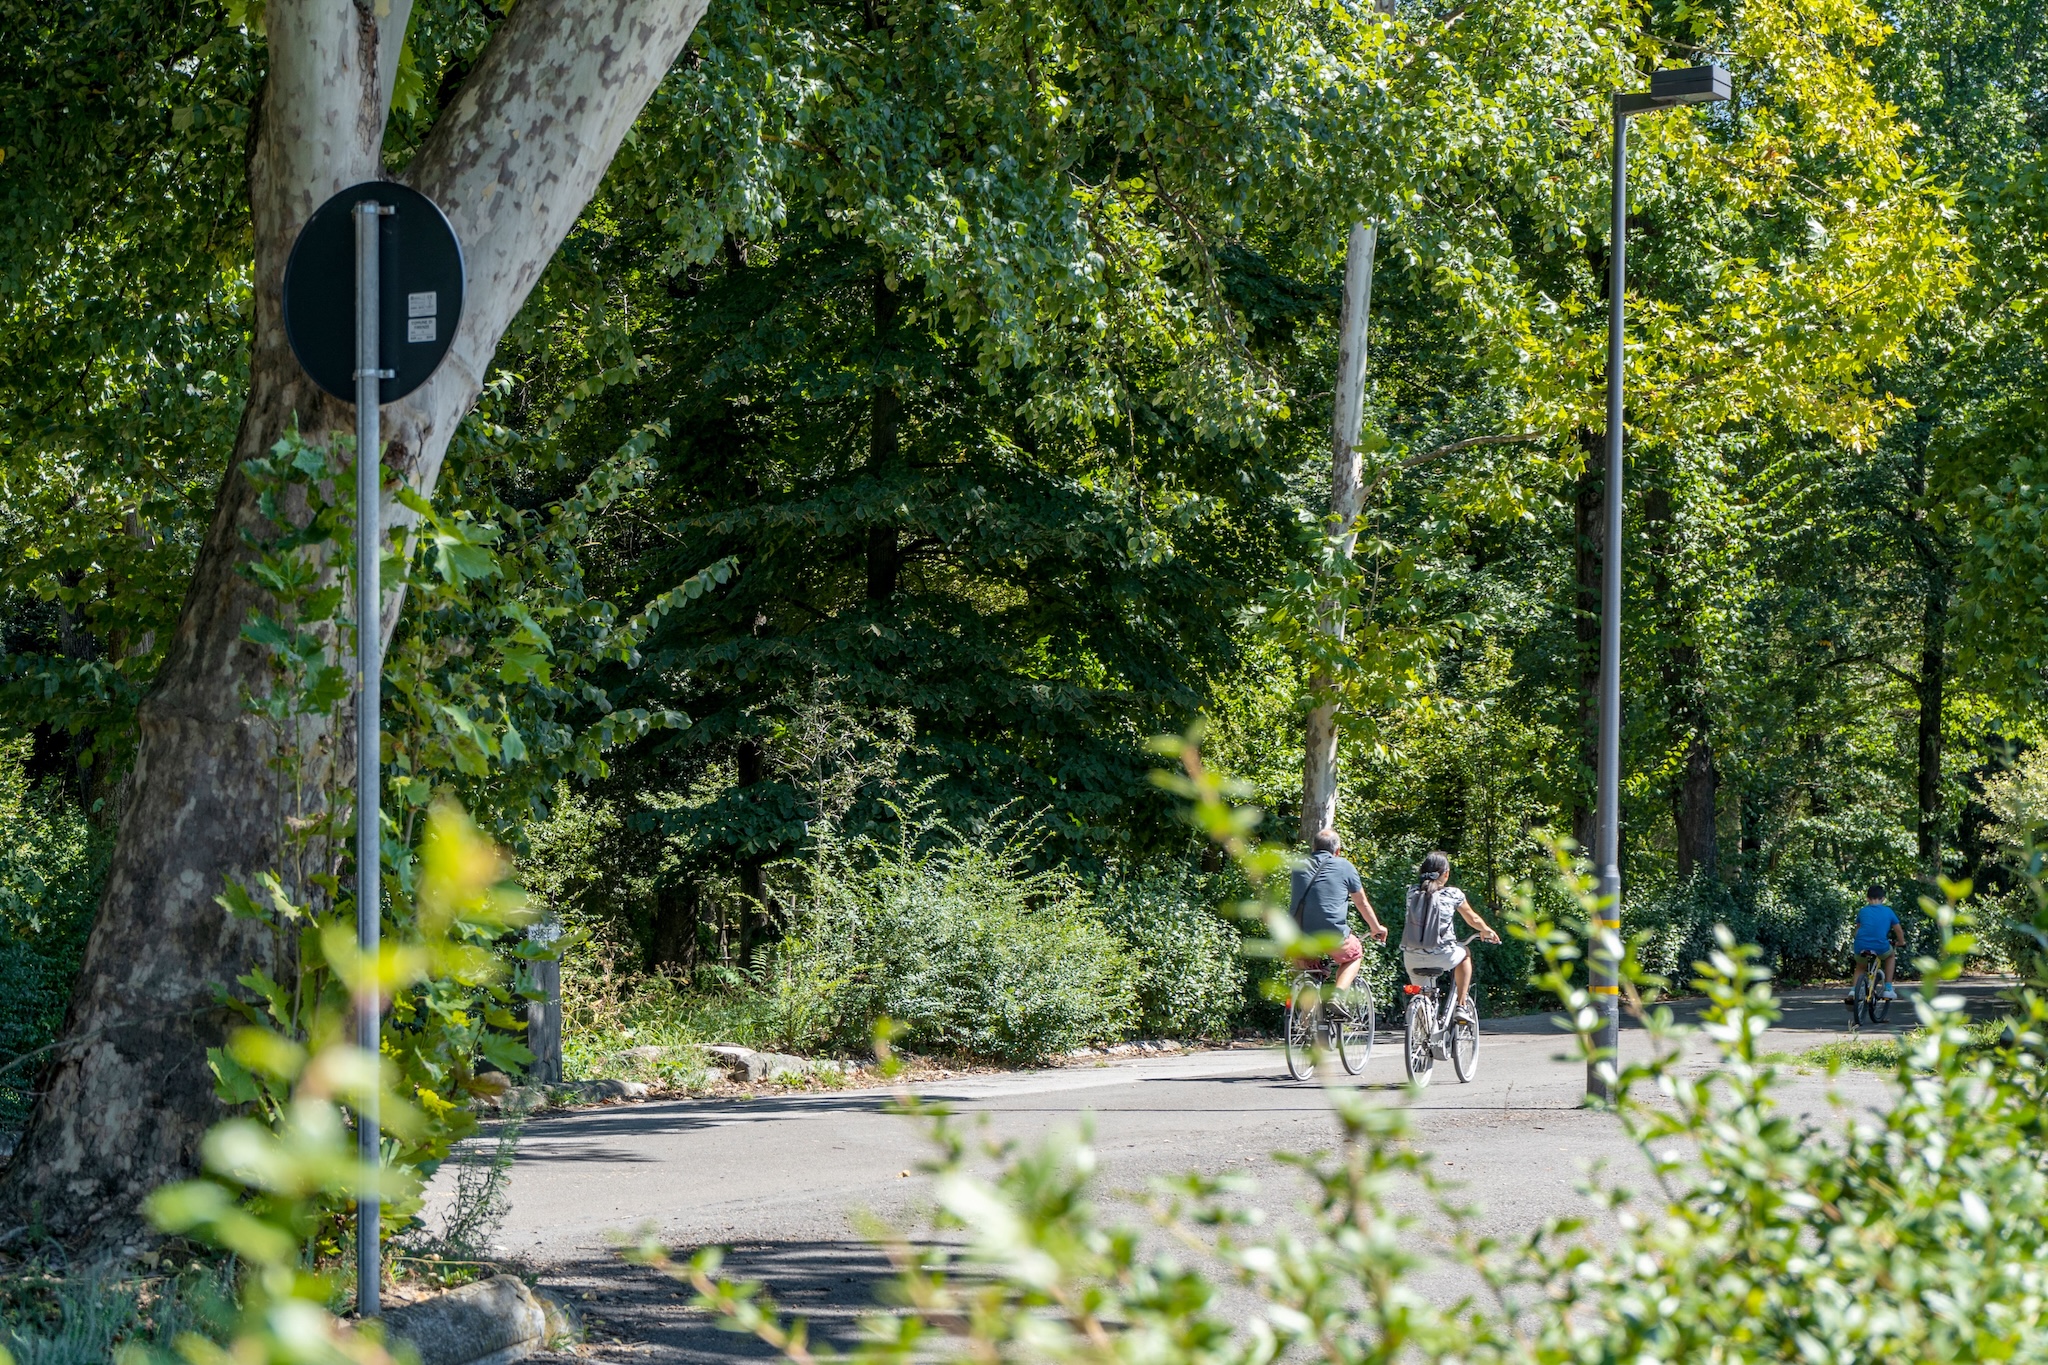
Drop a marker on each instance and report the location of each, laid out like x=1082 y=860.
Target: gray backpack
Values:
x=1428 y=927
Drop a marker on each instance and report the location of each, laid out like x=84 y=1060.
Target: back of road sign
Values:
x=420 y=274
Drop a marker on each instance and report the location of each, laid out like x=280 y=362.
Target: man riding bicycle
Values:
x=1429 y=938
x=1880 y=935
x=1324 y=890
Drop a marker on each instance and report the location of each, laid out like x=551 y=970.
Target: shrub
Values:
x=51 y=867
x=955 y=939
x=1799 y=921
x=1802 y=923
x=1188 y=964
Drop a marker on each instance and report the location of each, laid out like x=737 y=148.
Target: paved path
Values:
x=783 y=1179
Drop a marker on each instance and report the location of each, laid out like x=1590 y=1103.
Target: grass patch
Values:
x=92 y=1317
x=1856 y=1054
x=1883 y=1052
x=633 y=1026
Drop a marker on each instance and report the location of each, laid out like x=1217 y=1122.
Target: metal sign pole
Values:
x=369 y=670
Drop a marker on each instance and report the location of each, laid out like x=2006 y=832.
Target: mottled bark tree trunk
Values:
x=512 y=160
x=1930 y=685
x=1347 y=491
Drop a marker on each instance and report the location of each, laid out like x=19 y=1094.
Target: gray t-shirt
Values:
x=1322 y=895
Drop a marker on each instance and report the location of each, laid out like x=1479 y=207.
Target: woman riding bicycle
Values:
x=1429 y=940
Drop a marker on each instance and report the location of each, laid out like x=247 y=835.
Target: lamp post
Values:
x=1684 y=85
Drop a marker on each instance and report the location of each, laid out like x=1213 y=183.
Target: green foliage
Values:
x=1762 y=1238
x=273 y=1183
x=50 y=872
x=94 y=1317
x=477 y=1204
x=1187 y=958
x=1799 y=923
x=954 y=938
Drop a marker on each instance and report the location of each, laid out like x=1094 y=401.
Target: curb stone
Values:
x=492 y=1322
x=745 y=1064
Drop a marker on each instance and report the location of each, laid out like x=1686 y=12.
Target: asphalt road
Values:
x=785 y=1180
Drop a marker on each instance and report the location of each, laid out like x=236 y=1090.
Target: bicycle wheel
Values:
x=1875 y=1007
x=1357 y=1031
x=1465 y=1047
x=1304 y=1011
x=1421 y=1062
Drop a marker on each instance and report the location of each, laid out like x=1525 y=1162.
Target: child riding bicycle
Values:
x=1879 y=935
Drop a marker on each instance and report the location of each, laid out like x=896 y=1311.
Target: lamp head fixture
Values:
x=1679 y=85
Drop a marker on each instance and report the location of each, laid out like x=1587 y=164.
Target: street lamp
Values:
x=1684 y=85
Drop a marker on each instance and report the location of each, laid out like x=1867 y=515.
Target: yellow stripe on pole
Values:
x=1607 y=990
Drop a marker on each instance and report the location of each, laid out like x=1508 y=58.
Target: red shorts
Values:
x=1348 y=952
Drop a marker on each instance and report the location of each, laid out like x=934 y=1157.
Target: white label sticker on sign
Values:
x=423 y=305
x=419 y=329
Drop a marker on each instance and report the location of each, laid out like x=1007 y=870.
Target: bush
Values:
x=51 y=867
x=1799 y=921
x=1189 y=964
x=956 y=940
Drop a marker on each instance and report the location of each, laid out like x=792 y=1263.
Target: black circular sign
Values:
x=419 y=276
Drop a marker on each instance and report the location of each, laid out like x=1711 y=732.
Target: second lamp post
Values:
x=1684 y=85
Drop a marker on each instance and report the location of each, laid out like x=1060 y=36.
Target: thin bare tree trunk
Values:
x=1930 y=696
x=1347 y=491
x=512 y=161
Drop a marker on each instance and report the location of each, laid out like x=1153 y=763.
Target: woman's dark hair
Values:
x=1435 y=868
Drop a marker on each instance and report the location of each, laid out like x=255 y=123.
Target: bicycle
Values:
x=1320 y=1018
x=1433 y=1031
x=1865 y=1001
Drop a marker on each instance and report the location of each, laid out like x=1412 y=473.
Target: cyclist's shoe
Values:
x=1889 y=992
x=1465 y=1010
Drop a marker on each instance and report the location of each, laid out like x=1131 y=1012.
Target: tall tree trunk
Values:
x=1588 y=522
x=759 y=923
x=885 y=440
x=1693 y=794
x=672 y=934
x=1931 y=689
x=1347 y=488
x=512 y=161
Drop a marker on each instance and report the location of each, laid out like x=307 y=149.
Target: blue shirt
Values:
x=1873 y=929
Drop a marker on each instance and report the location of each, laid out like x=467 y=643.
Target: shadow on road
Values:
x=829 y=1284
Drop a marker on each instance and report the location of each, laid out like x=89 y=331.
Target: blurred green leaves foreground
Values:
x=1910 y=1234
x=274 y=1181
